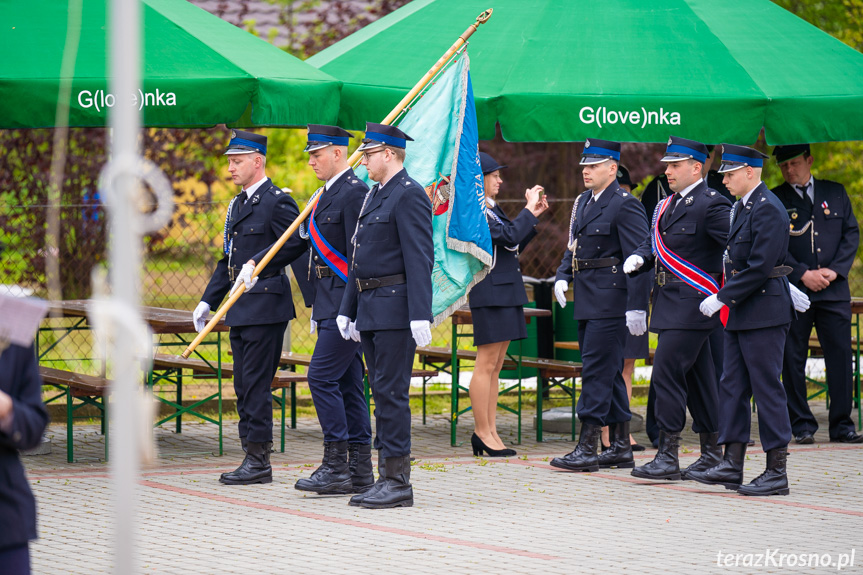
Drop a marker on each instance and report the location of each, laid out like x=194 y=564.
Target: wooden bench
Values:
x=173 y=365
x=89 y=389
x=816 y=350
x=573 y=346
x=551 y=373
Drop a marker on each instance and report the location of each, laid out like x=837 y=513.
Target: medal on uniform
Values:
x=826 y=209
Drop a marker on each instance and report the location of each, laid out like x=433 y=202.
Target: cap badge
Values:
x=233 y=134
x=587 y=143
x=669 y=141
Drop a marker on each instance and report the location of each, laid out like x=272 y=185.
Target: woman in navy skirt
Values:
x=636 y=346
x=496 y=305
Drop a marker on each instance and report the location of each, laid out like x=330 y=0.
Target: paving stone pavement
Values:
x=471 y=515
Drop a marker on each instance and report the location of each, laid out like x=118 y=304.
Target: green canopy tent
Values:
x=628 y=70
x=197 y=70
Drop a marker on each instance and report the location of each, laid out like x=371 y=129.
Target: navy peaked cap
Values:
x=321 y=136
x=246 y=143
x=378 y=135
x=736 y=157
x=598 y=151
x=680 y=149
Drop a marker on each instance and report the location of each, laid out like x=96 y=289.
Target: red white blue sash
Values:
x=335 y=260
x=684 y=270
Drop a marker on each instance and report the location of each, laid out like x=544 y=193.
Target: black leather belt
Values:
x=374 y=283
x=233 y=272
x=665 y=277
x=324 y=272
x=778 y=272
x=579 y=265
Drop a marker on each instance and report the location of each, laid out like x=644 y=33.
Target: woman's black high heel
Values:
x=479 y=447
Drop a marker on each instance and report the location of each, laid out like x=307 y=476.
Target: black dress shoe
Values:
x=848 y=437
x=805 y=438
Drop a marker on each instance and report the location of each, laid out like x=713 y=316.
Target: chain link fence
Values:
x=179 y=260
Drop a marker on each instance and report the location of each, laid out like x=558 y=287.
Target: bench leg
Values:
x=293 y=405
x=105 y=423
x=540 y=388
x=70 y=454
x=283 y=417
x=179 y=399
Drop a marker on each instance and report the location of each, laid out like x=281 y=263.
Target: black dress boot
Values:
x=711 y=454
x=395 y=490
x=357 y=499
x=333 y=476
x=583 y=457
x=728 y=472
x=255 y=467
x=360 y=465
x=774 y=480
x=665 y=464
x=619 y=453
x=244 y=444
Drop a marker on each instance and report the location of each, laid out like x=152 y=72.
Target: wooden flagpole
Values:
x=481 y=19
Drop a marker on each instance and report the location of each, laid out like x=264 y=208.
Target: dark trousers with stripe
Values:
x=832 y=321
x=684 y=375
x=390 y=357
x=256 y=349
x=753 y=362
x=336 y=382
x=603 y=399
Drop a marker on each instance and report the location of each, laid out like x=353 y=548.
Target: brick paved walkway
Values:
x=471 y=515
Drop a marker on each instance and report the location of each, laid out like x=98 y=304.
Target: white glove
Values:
x=313 y=326
x=199 y=316
x=710 y=305
x=353 y=332
x=636 y=320
x=632 y=263
x=344 y=322
x=800 y=299
x=560 y=287
x=246 y=278
x=421 y=330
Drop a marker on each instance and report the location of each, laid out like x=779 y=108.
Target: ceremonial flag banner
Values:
x=444 y=158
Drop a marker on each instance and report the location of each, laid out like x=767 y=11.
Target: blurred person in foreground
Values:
x=23 y=419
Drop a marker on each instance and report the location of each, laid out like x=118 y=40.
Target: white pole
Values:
x=125 y=264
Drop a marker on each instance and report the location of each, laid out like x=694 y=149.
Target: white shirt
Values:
x=251 y=189
x=745 y=198
x=690 y=188
x=489 y=202
x=330 y=182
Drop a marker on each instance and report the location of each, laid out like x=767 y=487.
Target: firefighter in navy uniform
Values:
x=757 y=294
x=387 y=303
x=821 y=251
x=336 y=370
x=607 y=224
x=692 y=229
x=256 y=218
